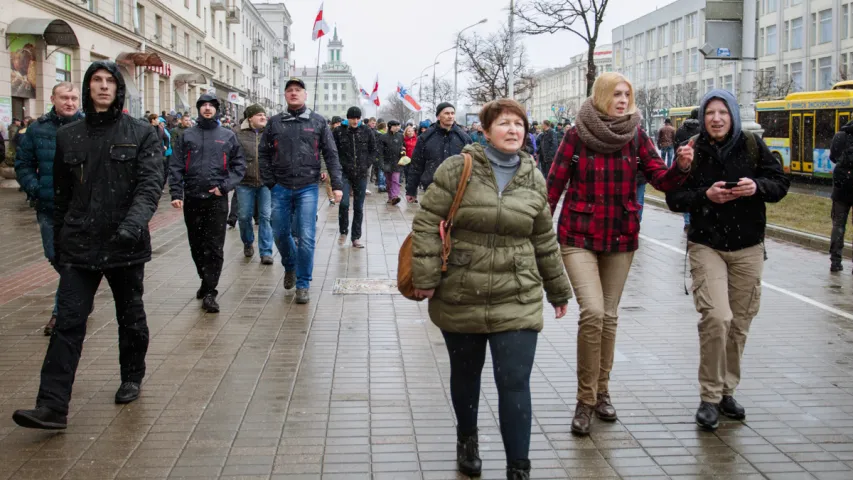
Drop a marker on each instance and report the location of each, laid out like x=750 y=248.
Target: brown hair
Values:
x=153 y=116
x=66 y=85
x=494 y=109
x=381 y=126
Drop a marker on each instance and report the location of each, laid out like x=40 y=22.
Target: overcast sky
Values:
x=398 y=40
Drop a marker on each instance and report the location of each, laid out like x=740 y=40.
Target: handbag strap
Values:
x=446 y=243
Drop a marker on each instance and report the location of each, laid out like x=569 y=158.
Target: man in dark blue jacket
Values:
x=442 y=140
x=207 y=163
x=289 y=157
x=34 y=165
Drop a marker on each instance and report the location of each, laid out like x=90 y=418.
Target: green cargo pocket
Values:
x=527 y=278
x=453 y=283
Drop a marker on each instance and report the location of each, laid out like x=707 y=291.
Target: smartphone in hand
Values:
x=730 y=185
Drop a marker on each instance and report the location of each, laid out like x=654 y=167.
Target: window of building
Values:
x=772 y=46
x=63 y=67
x=198 y=52
x=343 y=97
x=786 y=35
x=663 y=67
x=709 y=84
x=845 y=21
x=772 y=6
x=228 y=36
x=158 y=29
x=117 y=12
x=187 y=45
x=198 y=8
x=326 y=97
x=678 y=59
x=797 y=33
x=652 y=71
x=650 y=40
x=677 y=30
x=825 y=29
x=761 y=42
x=334 y=86
x=694 y=60
x=796 y=2
x=90 y=5
x=174 y=37
x=691 y=26
x=334 y=97
x=326 y=86
x=727 y=82
x=825 y=73
x=220 y=71
x=797 y=76
x=220 y=31
x=842 y=66
x=140 y=19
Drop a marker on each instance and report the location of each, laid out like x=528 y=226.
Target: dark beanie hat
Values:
x=393 y=123
x=354 y=112
x=336 y=119
x=442 y=106
x=253 y=110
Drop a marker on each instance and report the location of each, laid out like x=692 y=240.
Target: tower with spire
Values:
x=335 y=46
x=337 y=88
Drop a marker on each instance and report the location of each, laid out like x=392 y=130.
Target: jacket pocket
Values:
x=123 y=152
x=458 y=266
x=701 y=295
x=631 y=218
x=582 y=218
x=76 y=161
x=528 y=279
x=754 y=302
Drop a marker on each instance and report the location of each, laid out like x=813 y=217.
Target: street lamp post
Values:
x=456 y=61
x=510 y=73
x=433 y=71
x=420 y=88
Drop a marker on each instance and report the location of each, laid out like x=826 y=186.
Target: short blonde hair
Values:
x=603 y=88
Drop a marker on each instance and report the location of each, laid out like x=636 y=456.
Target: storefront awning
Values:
x=182 y=103
x=190 y=78
x=55 y=32
x=139 y=59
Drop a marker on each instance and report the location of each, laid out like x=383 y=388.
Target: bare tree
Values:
x=648 y=100
x=487 y=60
x=581 y=17
x=432 y=98
x=769 y=87
x=395 y=109
x=684 y=95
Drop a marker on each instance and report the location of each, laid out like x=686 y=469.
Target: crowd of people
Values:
x=96 y=175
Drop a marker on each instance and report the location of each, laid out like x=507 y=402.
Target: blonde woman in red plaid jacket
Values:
x=596 y=167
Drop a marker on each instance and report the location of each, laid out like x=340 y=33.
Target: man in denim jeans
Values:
x=289 y=161
x=251 y=191
x=34 y=165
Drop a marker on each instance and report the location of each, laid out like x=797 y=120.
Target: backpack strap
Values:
x=752 y=149
x=446 y=225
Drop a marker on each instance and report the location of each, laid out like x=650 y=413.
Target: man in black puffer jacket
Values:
x=356 y=146
x=207 y=163
x=840 y=154
x=390 y=150
x=108 y=177
x=442 y=140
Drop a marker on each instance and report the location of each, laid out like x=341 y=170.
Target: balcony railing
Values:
x=256 y=73
x=257 y=45
x=217 y=5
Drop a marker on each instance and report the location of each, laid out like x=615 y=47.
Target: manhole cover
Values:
x=365 y=286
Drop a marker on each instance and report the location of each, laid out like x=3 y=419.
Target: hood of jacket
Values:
x=731 y=104
x=205 y=98
x=848 y=128
x=121 y=90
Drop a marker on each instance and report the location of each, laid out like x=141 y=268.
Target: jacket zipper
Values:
x=493 y=236
x=257 y=160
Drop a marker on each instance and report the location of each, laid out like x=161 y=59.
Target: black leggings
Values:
x=512 y=362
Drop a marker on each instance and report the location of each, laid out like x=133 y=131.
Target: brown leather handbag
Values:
x=405 y=282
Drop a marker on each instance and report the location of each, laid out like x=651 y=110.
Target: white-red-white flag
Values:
x=374 y=96
x=320 y=25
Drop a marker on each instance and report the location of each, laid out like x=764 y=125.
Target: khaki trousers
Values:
x=598 y=280
x=727 y=293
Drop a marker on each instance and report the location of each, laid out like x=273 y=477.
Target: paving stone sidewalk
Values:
x=356 y=386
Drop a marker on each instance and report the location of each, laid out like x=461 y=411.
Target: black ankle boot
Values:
x=468 y=454
x=518 y=470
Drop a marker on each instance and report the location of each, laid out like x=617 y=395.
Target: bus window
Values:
x=796 y=141
x=843 y=118
x=775 y=124
x=808 y=142
x=824 y=128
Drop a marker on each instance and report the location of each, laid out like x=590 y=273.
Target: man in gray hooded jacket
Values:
x=734 y=175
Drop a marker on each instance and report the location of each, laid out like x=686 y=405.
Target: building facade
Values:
x=559 y=92
x=276 y=16
x=802 y=45
x=169 y=52
x=336 y=87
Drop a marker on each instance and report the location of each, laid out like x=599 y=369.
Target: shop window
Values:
x=63 y=67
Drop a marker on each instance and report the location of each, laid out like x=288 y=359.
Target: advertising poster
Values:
x=5 y=110
x=22 y=54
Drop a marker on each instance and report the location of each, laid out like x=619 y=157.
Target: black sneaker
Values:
x=41 y=417
x=302 y=296
x=199 y=294
x=708 y=416
x=248 y=251
x=835 y=267
x=289 y=280
x=128 y=392
x=730 y=408
x=209 y=304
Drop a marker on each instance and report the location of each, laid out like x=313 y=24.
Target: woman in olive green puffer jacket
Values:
x=504 y=252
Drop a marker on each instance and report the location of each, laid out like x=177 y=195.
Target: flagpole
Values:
x=317 y=74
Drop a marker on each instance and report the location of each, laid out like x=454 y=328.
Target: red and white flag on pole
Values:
x=320 y=25
x=374 y=96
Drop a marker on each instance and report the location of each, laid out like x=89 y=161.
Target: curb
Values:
x=803 y=239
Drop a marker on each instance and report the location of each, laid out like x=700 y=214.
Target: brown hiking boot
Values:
x=48 y=329
x=604 y=409
x=583 y=419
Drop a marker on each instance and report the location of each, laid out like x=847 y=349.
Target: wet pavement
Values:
x=356 y=386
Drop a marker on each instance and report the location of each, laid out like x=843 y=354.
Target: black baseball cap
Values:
x=295 y=80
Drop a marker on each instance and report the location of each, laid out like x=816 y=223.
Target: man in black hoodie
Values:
x=108 y=177
x=207 y=163
x=841 y=154
x=356 y=144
